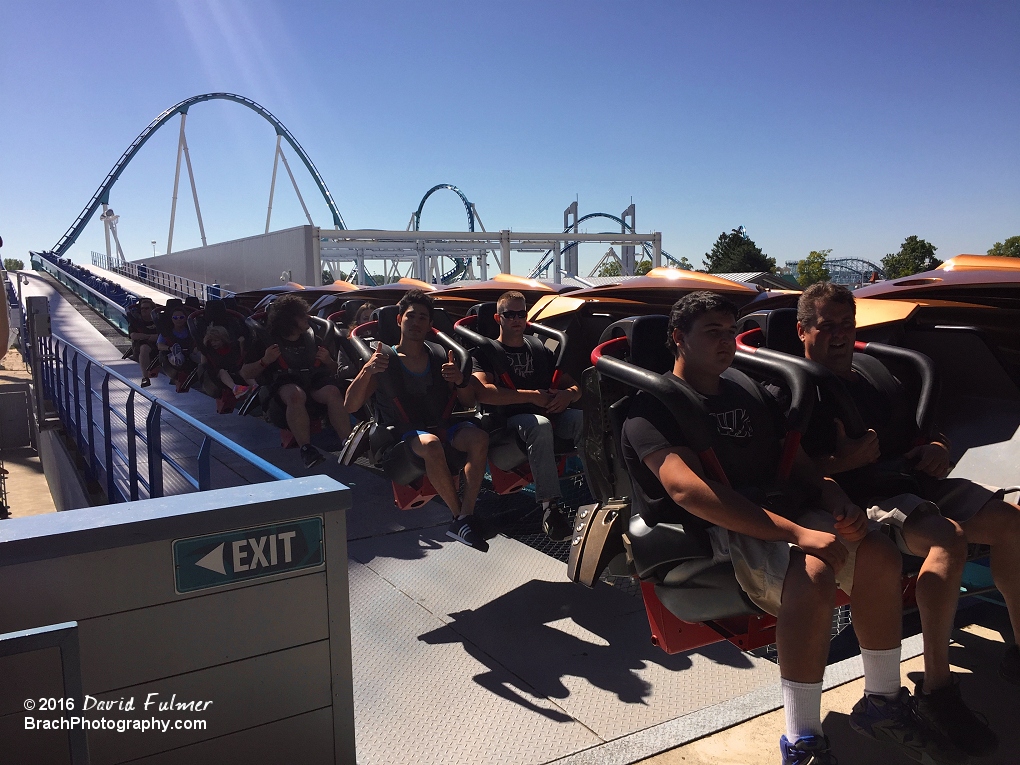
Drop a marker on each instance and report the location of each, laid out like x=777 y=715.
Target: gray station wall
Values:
x=251 y=263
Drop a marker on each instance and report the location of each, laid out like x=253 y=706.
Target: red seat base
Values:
x=510 y=481
x=225 y=403
x=417 y=493
x=747 y=633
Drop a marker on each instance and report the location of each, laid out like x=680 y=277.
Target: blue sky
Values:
x=815 y=125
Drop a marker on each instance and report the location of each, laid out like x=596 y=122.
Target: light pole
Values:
x=153 y=248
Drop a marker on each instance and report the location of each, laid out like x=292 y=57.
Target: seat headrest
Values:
x=192 y=302
x=648 y=344
x=351 y=308
x=215 y=312
x=486 y=324
x=441 y=321
x=781 y=331
x=230 y=303
x=174 y=303
x=388 y=330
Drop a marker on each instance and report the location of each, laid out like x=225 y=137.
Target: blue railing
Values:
x=108 y=437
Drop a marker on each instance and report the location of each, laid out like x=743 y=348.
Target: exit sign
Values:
x=236 y=556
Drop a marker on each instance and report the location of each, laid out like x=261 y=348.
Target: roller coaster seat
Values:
x=216 y=313
x=682 y=586
x=231 y=304
x=880 y=363
x=270 y=403
x=404 y=468
x=509 y=468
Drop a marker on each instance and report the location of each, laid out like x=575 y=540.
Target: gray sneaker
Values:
x=895 y=721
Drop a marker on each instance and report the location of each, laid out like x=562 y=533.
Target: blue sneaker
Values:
x=895 y=721
x=810 y=750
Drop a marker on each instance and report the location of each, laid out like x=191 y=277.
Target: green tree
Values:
x=684 y=263
x=1009 y=249
x=736 y=252
x=813 y=269
x=610 y=268
x=13 y=264
x=327 y=277
x=915 y=255
x=643 y=267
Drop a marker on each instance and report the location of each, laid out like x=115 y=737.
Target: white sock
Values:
x=803 y=704
x=545 y=505
x=881 y=672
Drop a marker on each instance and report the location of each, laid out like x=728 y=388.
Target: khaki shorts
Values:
x=956 y=498
x=761 y=566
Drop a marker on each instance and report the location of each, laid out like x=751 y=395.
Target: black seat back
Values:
x=387 y=330
x=486 y=324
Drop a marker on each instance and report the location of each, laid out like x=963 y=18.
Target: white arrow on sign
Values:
x=214 y=560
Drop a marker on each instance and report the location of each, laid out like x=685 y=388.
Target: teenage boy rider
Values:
x=533 y=408
x=826 y=323
x=788 y=559
x=296 y=368
x=426 y=375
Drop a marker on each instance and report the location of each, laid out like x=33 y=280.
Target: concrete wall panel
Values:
x=251 y=263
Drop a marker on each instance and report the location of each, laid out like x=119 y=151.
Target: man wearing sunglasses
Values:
x=532 y=407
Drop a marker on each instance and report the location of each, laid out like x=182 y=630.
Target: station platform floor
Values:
x=465 y=657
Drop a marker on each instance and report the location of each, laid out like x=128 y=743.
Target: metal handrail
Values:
x=59 y=367
x=181 y=286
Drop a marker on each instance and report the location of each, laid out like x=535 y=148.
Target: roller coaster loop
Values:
x=455 y=190
x=102 y=195
x=546 y=260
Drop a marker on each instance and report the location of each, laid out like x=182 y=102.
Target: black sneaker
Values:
x=810 y=750
x=1009 y=668
x=895 y=721
x=463 y=530
x=555 y=522
x=945 y=712
x=311 y=456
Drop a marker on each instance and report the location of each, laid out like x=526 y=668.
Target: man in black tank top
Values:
x=296 y=368
x=935 y=518
x=420 y=394
x=788 y=560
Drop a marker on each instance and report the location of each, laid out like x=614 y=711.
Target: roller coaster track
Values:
x=102 y=195
x=546 y=261
x=461 y=264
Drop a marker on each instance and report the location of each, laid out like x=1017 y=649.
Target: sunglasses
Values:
x=179 y=318
x=514 y=314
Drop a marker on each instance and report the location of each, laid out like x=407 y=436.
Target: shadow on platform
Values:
x=546 y=631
